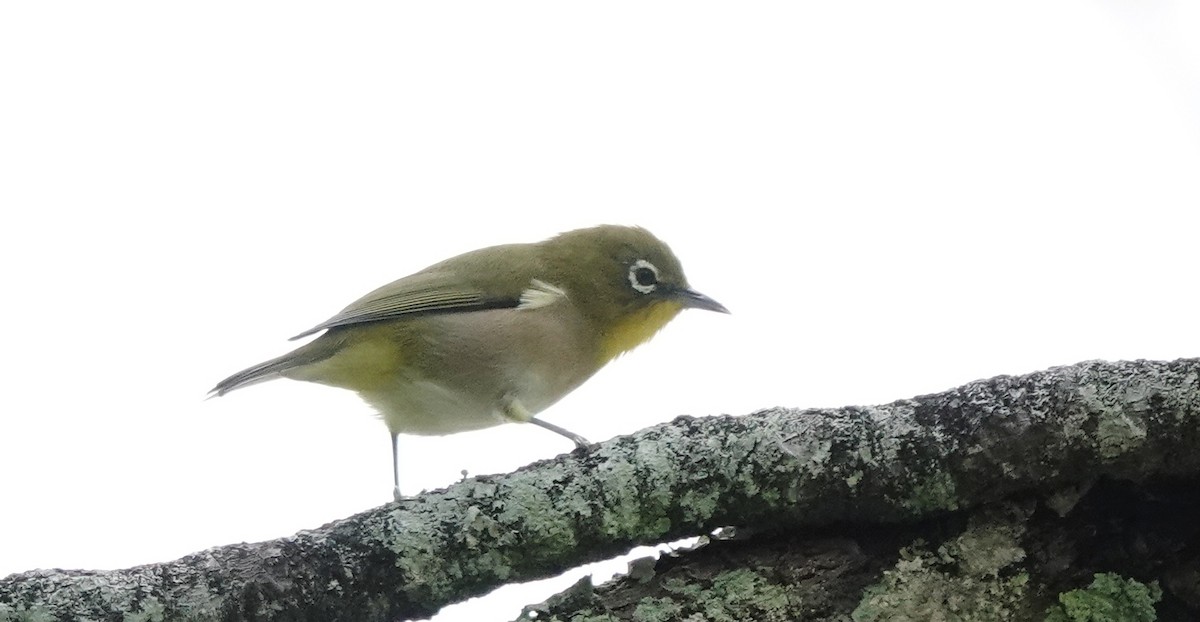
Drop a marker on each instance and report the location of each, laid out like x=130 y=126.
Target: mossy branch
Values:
x=777 y=468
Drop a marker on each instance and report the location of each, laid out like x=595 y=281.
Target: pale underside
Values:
x=491 y=367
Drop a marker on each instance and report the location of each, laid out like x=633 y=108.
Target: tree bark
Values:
x=971 y=464
x=1012 y=560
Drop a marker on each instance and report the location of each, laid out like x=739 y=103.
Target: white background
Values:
x=893 y=198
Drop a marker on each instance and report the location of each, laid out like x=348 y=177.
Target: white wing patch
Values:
x=540 y=294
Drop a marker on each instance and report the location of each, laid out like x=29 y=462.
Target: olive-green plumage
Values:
x=493 y=335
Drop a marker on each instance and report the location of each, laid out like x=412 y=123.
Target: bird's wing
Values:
x=490 y=278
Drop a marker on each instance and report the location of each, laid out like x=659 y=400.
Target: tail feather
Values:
x=304 y=355
x=253 y=375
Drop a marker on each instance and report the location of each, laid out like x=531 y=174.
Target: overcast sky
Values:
x=893 y=198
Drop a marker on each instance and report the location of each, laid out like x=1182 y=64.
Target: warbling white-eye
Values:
x=494 y=335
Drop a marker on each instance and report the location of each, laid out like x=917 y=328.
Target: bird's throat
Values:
x=636 y=328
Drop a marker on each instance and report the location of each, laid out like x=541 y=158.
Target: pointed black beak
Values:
x=695 y=300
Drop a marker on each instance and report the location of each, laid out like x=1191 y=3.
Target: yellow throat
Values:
x=636 y=328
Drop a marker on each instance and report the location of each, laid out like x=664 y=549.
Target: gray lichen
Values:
x=972 y=577
x=21 y=613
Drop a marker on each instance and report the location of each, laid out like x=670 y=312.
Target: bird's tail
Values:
x=304 y=355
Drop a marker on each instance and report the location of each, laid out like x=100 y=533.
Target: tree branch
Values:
x=782 y=468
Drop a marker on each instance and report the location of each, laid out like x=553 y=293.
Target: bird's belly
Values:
x=476 y=370
x=429 y=408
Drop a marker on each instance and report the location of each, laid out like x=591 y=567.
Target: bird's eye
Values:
x=643 y=276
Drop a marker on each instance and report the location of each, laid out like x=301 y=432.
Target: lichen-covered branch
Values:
x=1126 y=552
x=779 y=468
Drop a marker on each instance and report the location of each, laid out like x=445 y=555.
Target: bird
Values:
x=493 y=335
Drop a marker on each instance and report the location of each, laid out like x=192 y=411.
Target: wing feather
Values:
x=482 y=279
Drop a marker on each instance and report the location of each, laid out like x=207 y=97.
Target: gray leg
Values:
x=514 y=410
x=575 y=438
x=396 y=466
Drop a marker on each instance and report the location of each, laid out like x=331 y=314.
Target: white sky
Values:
x=893 y=198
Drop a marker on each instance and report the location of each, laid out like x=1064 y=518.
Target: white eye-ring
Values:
x=643 y=276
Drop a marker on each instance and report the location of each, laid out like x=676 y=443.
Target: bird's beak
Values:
x=693 y=299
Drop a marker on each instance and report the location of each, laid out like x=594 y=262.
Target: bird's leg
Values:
x=396 y=466
x=575 y=438
x=514 y=410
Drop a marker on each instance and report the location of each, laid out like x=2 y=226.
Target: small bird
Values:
x=493 y=335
